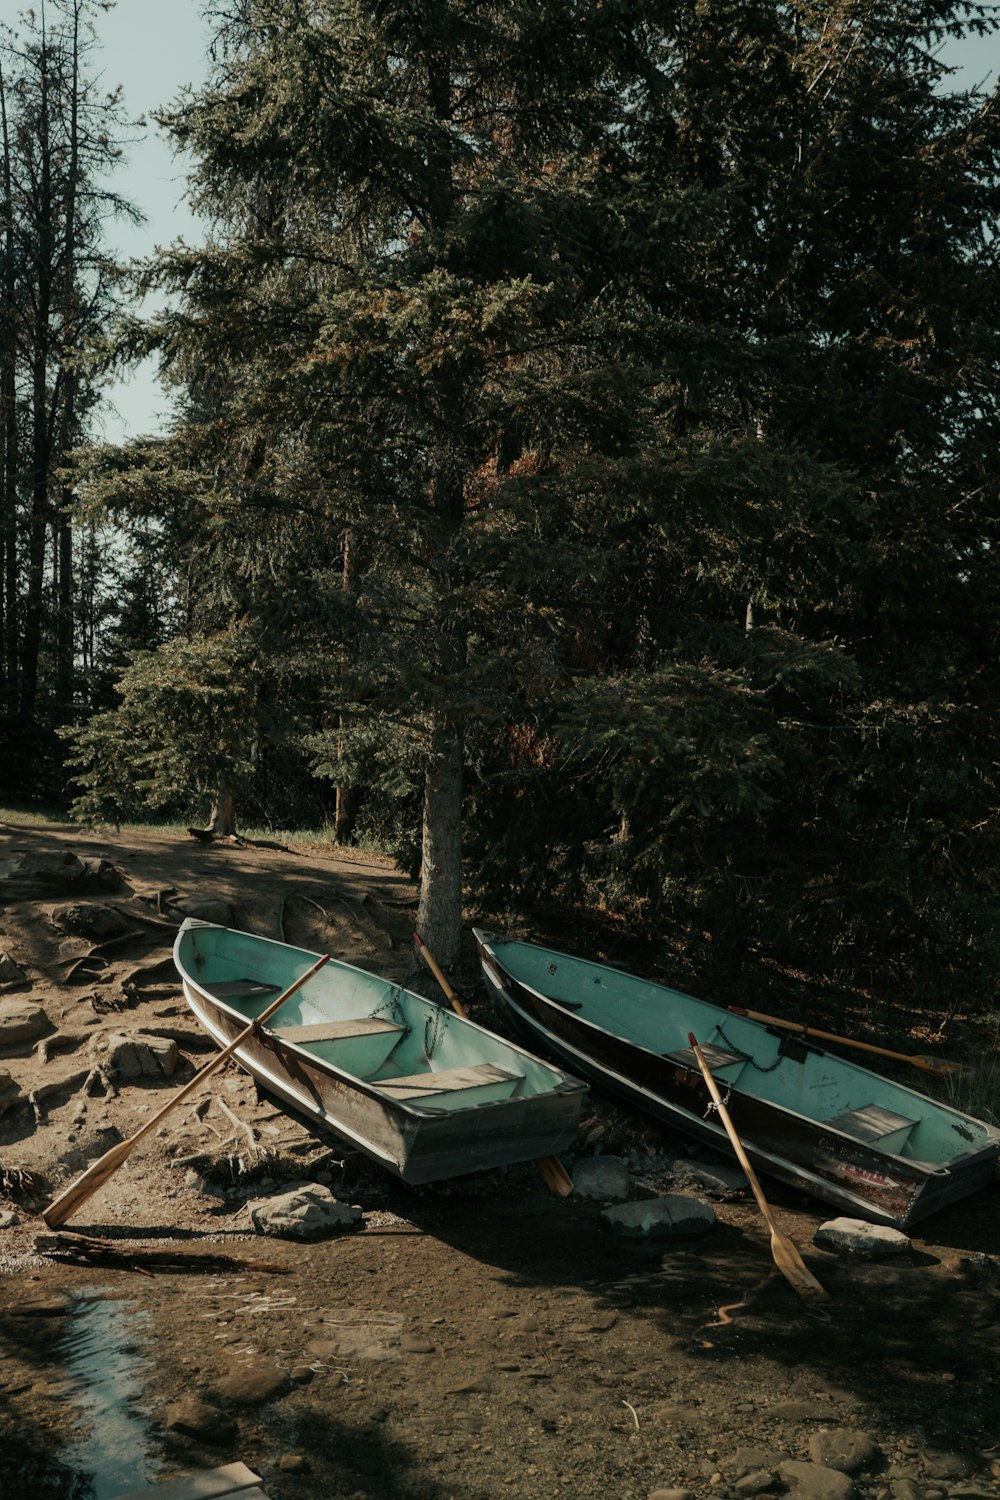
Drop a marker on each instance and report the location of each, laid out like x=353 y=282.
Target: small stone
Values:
x=20 y=1021
x=603 y=1179
x=293 y=1463
x=11 y=973
x=8 y=1219
x=306 y=1211
x=199 y=1419
x=756 y=1483
x=660 y=1218
x=813 y=1482
x=939 y=1465
x=719 y=1180
x=252 y=1385
x=301 y=1374
x=135 y=1056
x=206 y=909
x=671 y=1495
x=843 y=1449
x=855 y=1237
x=415 y=1343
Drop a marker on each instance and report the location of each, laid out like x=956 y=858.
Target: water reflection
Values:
x=105 y=1454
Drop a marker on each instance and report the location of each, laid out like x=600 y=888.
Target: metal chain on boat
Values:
x=432 y=1030
x=746 y=1055
x=390 y=1008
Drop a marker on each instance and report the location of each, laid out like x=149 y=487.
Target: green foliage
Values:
x=620 y=414
x=189 y=718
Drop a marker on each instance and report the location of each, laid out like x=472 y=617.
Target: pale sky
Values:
x=153 y=48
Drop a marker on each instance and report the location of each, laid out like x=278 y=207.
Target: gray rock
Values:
x=90 y=919
x=813 y=1482
x=603 y=1178
x=10 y=1092
x=21 y=1021
x=757 y=1482
x=671 y=1495
x=305 y=1211
x=856 y=1237
x=252 y=1385
x=53 y=871
x=844 y=1449
x=8 y=1219
x=199 y=1419
x=660 y=1218
x=940 y=1465
x=135 y=1056
x=205 y=908
x=906 y=1489
x=11 y=973
x=718 y=1179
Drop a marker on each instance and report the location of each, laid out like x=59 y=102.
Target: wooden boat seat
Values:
x=359 y=1045
x=243 y=989
x=499 y=1082
x=875 y=1126
x=334 y=1031
x=716 y=1057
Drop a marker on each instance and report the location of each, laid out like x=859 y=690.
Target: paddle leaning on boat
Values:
x=423 y=1091
x=873 y=1148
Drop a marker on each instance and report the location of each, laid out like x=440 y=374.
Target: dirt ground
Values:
x=473 y=1339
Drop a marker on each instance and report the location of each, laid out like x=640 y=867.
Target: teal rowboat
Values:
x=875 y=1149
x=422 y=1091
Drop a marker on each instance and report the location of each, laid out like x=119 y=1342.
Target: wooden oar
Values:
x=555 y=1174
x=68 y=1201
x=787 y=1259
x=936 y=1065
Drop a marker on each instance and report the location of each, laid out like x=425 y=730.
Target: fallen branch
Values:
x=81 y=1249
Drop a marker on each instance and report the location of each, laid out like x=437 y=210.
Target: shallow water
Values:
x=99 y=1362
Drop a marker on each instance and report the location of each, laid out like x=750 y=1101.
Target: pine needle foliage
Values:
x=593 y=413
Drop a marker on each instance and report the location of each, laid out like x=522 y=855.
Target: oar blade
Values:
x=68 y=1201
x=938 y=1065
x=556 y=1177
x=791 y=1265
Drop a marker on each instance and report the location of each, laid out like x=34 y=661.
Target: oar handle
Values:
x=843 y=1041
x=731 y=1131
x=65 y=1205
x=432 y=964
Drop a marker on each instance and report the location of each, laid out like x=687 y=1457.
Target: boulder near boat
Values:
x=873 y=1148
x=419 y=1089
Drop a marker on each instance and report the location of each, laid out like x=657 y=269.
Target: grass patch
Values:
x=976 y=1090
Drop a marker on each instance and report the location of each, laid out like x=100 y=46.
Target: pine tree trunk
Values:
x=439 y=916
x=8 y=428
x=223 y=820
x=346 y=813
